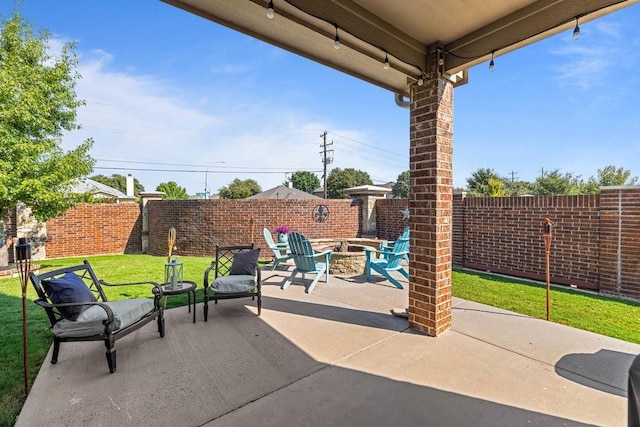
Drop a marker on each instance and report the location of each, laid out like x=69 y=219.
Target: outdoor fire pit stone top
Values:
x=348 y=255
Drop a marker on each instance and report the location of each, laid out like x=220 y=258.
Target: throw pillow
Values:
x=67 y=289
x=245 y=263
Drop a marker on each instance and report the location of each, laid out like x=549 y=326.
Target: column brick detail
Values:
x=430 y=206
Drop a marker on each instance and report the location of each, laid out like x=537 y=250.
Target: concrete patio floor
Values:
x=337 y=357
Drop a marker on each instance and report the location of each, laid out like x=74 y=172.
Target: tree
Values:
x=240 y=189
x=305 y=181
x=402 y=186
x=173 y=191
x=556 y=183
x=119 y=182
x=37 y=106
x=478 y=183
x=612 y=176
x=339 y=179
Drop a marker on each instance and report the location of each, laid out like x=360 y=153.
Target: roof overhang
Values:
x=461 y=33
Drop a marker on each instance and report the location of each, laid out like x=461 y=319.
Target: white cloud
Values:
x=142 y=118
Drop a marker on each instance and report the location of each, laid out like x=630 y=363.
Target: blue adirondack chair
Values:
x=278 y=256
x=390 y=261
x=388 y=245
x=307 y=261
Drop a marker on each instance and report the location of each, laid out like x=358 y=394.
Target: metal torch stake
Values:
x=548 y=233
x=23 y=252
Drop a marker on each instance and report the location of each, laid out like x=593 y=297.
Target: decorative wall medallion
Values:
x=321 y=213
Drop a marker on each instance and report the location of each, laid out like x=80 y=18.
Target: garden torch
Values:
x=547 y=235
x=23 y=252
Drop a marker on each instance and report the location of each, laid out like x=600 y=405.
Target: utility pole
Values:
x=513 y=176
x=327 y=157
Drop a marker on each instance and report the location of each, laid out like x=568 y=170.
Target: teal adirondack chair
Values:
x=307 y=261
x=278 y=257
x=390 y=261
x=388 y=245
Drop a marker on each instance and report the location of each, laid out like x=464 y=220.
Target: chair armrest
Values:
x=102 y=305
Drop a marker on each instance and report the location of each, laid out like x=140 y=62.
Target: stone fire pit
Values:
x=348 y=257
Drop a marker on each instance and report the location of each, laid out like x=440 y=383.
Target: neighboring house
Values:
x=99 y=190
x=283 y=192
x=377 y=189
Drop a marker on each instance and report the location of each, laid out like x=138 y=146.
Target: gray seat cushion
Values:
x=233 y=284
x=89 y=322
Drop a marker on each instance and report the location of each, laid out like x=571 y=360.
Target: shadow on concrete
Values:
x=605 y=370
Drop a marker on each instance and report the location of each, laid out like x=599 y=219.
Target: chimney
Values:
x=290 y=184
x=130 y=185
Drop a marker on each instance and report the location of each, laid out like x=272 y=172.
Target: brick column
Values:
x=458 y=228
x=145 y=199
x=430 y=205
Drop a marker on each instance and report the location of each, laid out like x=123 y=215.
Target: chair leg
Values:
x=56 y=350
x=315 y=281
x=289 y=280
x=276 y=261
x=111 y=354
x=161 y=323
x=259 y=304
x=206 y=309
x=404 y=273
x=392 y=280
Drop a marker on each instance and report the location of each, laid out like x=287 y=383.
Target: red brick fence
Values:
x=596 y=240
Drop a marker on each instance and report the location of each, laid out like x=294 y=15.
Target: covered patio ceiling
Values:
x=463 y=32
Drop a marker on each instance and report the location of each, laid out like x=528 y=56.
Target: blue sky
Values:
x=169 y=91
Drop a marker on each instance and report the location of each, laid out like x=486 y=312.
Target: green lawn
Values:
x=584 y=310
x=615 y=318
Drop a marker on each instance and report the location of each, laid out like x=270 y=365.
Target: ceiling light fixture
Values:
x=386 y=61
x=576 y=30
x=336 y=42
x=492 y=64
x=270 y=10
x=421 y=78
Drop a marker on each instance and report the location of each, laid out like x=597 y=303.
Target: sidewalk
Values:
x=337 y=357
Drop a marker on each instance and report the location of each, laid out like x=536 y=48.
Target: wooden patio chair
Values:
x=389 y=262
x=236 y=274
x=78 y=310
x=306 y=261
x=388 y=245
x=278 y=256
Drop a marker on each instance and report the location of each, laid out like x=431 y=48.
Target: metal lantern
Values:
x=173 y=273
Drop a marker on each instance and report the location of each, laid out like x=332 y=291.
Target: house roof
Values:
x=283 y=192
x=97 y=189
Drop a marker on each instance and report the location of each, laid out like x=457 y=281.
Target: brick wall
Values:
x=504 y=234
x=620 y=241
x=390 y=222
x=594 y=246
x=200 y=225
x=95 y=229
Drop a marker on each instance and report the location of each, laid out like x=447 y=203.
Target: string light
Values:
x=576 y=30
x=270 y=10
x=336 y=42
x=386 y=61
x=492 y=64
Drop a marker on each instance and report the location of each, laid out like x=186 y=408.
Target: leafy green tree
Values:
x=37 y=106
x=612 y=176
x=556 y=183
x=517 y=188
x=119 y=182
x=339 y=179
x=173 y=191
x=240 y=189
x=305 y=181
x=402 y=186
x=478 y=184
x=495 y=188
